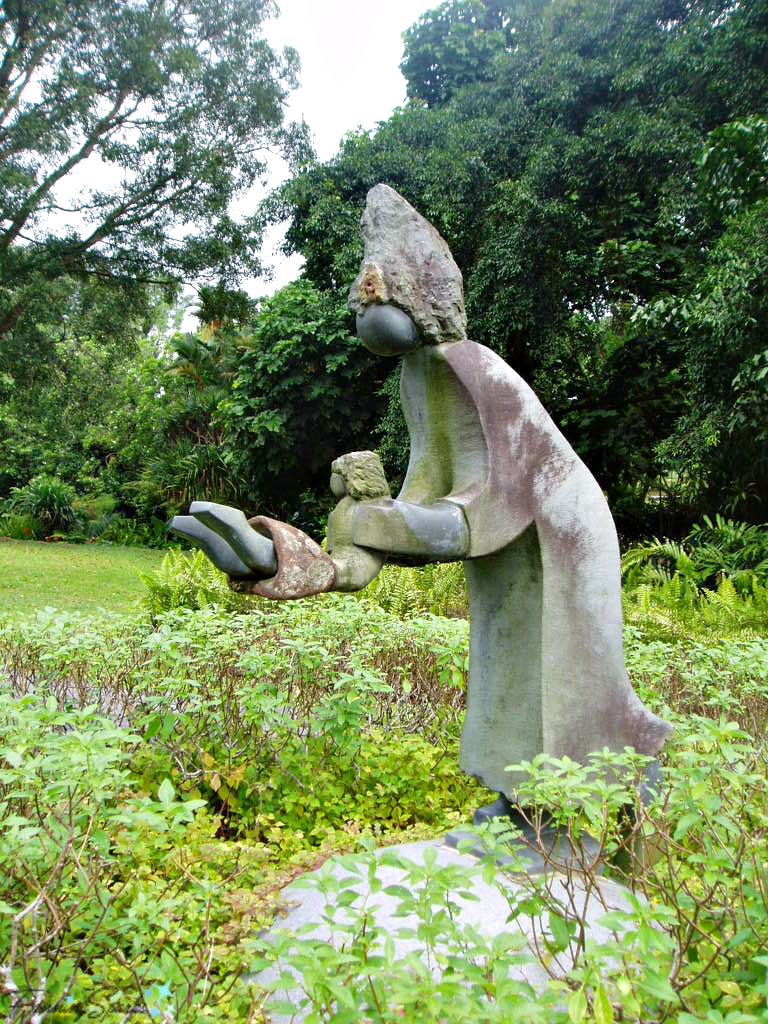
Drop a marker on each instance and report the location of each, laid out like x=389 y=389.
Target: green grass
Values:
x=72 y=577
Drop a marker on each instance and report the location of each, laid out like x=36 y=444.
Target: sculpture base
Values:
x=325 y=911
x=532 y=852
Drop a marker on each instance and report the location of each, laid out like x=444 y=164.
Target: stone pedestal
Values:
x=483 y=907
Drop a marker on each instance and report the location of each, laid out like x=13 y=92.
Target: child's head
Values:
x=359 y=475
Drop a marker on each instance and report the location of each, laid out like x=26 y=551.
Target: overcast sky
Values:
x=350 y=52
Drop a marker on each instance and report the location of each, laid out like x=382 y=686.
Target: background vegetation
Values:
x=598 y=170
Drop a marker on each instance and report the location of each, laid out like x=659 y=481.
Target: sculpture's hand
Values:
x=436 y=532
x=219 y=552
x=227 y=538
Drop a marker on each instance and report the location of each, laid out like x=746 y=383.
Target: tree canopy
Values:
x=583 y=160
x=126 y=130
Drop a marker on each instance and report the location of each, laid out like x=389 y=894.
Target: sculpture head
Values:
x=409 y=291
x=359 y=475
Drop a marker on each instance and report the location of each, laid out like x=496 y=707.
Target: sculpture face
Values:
x=387 y=330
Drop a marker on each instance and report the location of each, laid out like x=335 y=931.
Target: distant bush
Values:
x=113 y=528
x=94 y=506
x=712 y=584
x=47 y=499
x=20 y=527
x=713 y=551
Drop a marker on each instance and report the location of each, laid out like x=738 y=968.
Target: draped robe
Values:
x=547 y=670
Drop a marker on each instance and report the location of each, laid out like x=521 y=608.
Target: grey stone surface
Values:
x=253 y=548
x=540 y=550
x=354 y=477
x=387 y=330
x=214 y=546
x=408 y=264
x=362 y=476
x=487 y=912
x=435 y=533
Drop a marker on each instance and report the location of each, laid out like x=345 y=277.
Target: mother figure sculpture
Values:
x=493 y=482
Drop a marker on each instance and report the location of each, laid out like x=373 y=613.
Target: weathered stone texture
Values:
x=303 y=568
x=409 y=264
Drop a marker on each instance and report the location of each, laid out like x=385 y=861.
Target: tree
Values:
x=126 y=129
x=67 y=380
x=454 y=45
x=304 y=393
x=556 y=145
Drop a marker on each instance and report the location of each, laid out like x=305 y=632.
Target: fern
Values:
x=188 y=580
x=406 y=592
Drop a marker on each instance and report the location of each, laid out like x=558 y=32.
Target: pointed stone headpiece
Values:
x=409 y=264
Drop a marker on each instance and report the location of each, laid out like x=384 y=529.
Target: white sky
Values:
x=350 y=78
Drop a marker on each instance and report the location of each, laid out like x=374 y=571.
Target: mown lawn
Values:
x=72 y=577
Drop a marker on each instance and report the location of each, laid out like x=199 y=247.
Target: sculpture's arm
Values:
x=433 y=533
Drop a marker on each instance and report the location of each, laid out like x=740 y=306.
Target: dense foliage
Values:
x=168 y=108
x=140 y=859
x=599 y=172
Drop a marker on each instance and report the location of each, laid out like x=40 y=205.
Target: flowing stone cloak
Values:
x=547 y=670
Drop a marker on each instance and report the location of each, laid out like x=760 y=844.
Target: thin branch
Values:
x=104 y=125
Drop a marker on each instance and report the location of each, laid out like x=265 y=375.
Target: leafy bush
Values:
x=689 y=941
x=712 y=584
x=100 y=900
x=47 y=499
x=712 y=552
x=188 y=580
x=304 y=725
x=439 y=589
x=674 y=608
x=114 y=528
x=93 y=506
x=20 y=527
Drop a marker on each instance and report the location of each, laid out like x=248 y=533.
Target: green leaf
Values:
x=577 y=1006
x=154 y=726
x=559 y=930
x=602 y=1008
x=166 y=792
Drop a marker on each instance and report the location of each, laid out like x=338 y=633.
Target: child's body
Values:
x=354 y=478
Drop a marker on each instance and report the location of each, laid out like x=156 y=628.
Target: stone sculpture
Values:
x=491 y=481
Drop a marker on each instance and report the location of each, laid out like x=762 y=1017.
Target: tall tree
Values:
x=126 y=130
x=564 y=173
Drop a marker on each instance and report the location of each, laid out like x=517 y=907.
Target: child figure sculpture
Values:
x=354 y=477
x=491 y=481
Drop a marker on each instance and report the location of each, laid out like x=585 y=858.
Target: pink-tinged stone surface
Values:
x=303 y=568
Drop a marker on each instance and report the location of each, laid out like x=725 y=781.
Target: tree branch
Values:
x=10 y=60
x=102 y=127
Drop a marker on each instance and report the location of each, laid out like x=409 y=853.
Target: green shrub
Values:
x=115 y=528
x=439 y=589
x=47 y=499
x=94 y=506
x=98 y=878
x=689 y=944
x=20 y=527
x=188 y=580
x=306 y=724
x=712 y=552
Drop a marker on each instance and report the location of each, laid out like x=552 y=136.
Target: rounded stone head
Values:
x=359 y=475
x=409 y=291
